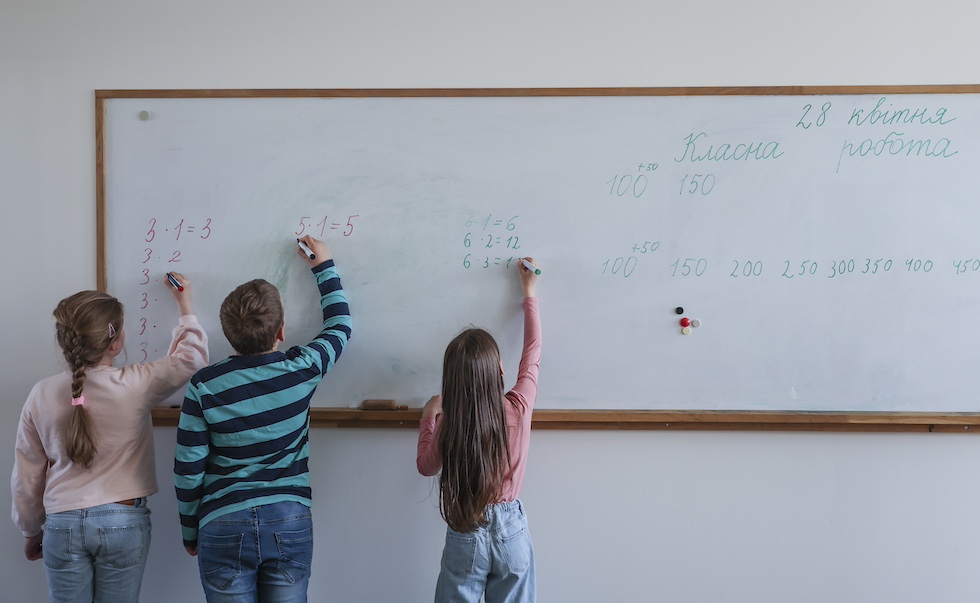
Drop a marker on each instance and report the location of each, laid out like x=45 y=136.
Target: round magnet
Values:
x=685 y=322
x=144 y=115
x=679 y=310
x=686 y=330
x=695 y=323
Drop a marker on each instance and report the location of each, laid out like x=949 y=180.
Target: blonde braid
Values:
x=74 y=354
x=83 y=324
x=80 y=437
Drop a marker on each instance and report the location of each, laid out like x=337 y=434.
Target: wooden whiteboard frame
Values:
x=665 y=420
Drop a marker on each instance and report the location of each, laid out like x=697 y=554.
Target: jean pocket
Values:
x=459 y=554
x=295 y=554
x=220 y=558
x=514 y=544
x=56 y=544
x=124 y=546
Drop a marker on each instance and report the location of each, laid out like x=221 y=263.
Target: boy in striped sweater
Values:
x=240 y=466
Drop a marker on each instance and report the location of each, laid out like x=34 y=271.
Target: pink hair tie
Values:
x=79 y=401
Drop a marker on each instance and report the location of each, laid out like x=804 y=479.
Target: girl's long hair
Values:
x=473 y=438
x=86 y=324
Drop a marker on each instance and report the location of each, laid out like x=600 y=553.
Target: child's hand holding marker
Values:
x=173 y=281
x=527 y=264
x=306 y=249
x=528 y=272
x=180 y=288
x=314 y=251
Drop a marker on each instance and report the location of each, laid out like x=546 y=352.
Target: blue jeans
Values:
x=258 y=554
x=97 y=554
x=496 y=560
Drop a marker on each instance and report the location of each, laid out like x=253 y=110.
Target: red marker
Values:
x=685 y=322
x=174 y=282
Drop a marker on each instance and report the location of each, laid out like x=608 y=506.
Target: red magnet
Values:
x=685 y=322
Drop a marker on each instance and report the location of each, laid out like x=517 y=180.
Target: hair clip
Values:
x=79 y=401
x=112 y=331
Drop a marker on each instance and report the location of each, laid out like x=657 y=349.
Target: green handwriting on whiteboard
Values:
x=831 y=268
x=699 y=148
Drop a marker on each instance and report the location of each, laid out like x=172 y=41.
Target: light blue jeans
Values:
x=258 y=554
x=97 y=554
x=496 y=561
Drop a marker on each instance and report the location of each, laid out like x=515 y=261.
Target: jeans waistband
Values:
x=503 y=509
x=137 y=503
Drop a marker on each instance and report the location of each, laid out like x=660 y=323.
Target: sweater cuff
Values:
x=321 y=267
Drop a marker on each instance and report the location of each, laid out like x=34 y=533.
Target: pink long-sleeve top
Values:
x=119 y=401
x=519 y=405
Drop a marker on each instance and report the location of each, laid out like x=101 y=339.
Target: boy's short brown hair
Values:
x=251 y=316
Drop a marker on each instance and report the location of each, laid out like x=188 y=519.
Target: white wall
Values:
x=754 y=517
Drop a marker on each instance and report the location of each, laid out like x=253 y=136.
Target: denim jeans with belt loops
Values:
x=97 y=554
x=258 y=554
x=496 y=561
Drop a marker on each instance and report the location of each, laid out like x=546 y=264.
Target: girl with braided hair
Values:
x=84 y=462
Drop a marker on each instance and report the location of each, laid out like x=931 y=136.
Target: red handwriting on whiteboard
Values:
x=307 y=226
x=160 y=255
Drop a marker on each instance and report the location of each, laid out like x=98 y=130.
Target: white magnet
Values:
x=144 y=115
x=695 y=323
x=686 y=330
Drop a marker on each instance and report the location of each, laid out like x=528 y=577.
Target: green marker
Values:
x=531 y=266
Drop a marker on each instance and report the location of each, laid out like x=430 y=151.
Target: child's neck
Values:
x=108 y=359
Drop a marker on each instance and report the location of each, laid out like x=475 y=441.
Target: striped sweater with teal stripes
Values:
x=243 y=436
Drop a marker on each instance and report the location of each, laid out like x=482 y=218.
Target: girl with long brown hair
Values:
x=83 y=463
x=478 y=436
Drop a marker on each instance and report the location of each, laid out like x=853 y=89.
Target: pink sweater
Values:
x=519 y=405
x=45 y=481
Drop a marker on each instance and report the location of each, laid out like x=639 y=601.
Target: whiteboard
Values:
x=825 y=243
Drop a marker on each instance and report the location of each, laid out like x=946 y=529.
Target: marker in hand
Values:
x=174 y=282
x=531 y=266
x=306 y=249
